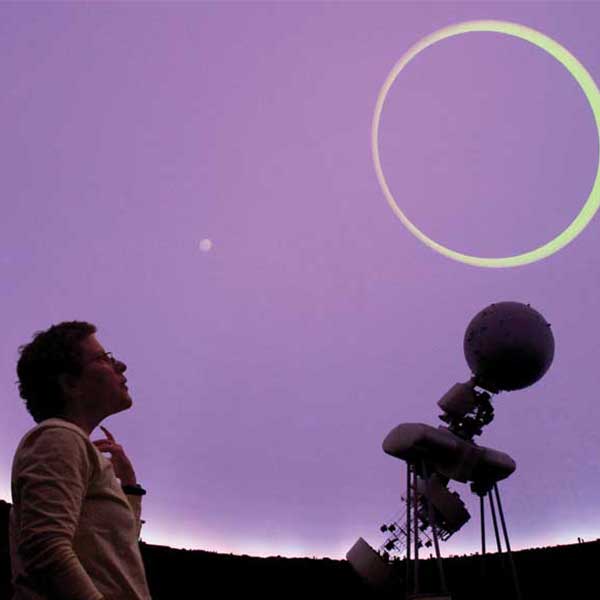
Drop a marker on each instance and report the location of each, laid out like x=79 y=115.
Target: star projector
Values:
x=508 y=346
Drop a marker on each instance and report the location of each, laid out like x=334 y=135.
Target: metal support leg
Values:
x=482 y=516
x=416 y=531
x=495 y=522
x=510 y=556
x=408 y=526
x=433 y=528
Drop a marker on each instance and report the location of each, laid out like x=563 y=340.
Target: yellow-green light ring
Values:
x=573 y=66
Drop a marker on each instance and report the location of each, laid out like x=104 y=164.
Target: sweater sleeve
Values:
x=51 y=483
x=135 y=502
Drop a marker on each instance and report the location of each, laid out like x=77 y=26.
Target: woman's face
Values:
x=100 y=390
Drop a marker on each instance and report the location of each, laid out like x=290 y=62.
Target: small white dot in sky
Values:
x=206 y=245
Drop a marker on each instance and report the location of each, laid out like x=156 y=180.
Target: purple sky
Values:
x=266 y=372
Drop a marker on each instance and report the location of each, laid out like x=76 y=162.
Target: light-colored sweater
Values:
x=73 y=531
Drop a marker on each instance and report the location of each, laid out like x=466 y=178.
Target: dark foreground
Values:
x=561 y=572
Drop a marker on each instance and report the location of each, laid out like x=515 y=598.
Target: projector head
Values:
x=508 y=346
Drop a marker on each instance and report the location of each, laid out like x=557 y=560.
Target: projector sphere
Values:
x=508 y=346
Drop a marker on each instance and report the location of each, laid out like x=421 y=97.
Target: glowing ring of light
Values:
x=579 y=73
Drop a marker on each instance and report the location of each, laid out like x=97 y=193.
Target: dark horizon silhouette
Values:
x=551 y=573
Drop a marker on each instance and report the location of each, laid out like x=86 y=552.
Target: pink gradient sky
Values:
x=266 y=372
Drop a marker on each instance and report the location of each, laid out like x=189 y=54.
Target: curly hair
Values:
x=41 y=362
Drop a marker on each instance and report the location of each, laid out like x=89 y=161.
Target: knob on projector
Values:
x=508 y=346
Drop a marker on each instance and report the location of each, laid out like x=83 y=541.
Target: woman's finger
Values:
x=109 y=435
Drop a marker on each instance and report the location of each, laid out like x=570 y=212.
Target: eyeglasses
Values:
x=108 y=355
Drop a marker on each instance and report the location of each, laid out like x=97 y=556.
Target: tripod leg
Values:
x=416 y=531
x=495 y=522
x=510 y=556
x=434 y=529
x=408 y=526
x=482 y=516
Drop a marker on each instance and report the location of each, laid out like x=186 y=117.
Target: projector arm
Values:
x=449 y=454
